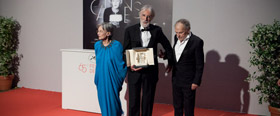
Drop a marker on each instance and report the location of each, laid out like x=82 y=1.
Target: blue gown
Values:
x=109 y=76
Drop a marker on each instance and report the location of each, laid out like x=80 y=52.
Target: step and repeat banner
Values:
x=122 y=13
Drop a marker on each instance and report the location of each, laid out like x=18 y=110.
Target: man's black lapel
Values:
x=174 y=53
x=153 y=32
x=137 y=35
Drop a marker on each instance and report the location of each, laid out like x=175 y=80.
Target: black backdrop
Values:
x=93 y=12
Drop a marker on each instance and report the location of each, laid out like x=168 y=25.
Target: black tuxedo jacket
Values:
x=189 y=67
x=133 y=39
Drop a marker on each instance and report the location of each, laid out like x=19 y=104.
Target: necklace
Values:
x=106 y=43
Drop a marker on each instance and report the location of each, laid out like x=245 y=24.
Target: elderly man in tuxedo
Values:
x=145 y=35
x=188 y=68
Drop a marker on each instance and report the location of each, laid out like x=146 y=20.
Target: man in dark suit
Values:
x=188 y=68
x=144 y=35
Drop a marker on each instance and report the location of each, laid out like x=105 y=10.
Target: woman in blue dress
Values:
x=110 y=71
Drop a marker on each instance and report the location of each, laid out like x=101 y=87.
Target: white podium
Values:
x=78 y=88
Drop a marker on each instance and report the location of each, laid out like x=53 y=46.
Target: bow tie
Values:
x=145 y=29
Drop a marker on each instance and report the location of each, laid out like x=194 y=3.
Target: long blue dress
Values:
x=109 y=76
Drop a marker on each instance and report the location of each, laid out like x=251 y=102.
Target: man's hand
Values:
x=161 y=54
x=168 y=68
x=135 y=69
x=194 y=86
x=278 y=82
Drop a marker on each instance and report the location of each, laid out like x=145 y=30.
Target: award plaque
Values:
x=140 y=57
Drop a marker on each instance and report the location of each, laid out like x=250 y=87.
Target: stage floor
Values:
x=32 y=102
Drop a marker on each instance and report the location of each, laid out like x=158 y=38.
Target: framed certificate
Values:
x=140 y=57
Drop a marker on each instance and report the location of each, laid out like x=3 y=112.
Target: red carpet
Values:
x=31 y=102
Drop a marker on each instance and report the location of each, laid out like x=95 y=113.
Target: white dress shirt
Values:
x=145 y=36
x=179 y=47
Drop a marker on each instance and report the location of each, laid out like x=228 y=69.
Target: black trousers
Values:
x=183 y=98
x=148 y=86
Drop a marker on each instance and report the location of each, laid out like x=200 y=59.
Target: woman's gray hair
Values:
x=150 y=8
x=107 y=27
x=121 y=1
x=185 y=22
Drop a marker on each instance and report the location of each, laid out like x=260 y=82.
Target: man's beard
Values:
x=143 y=24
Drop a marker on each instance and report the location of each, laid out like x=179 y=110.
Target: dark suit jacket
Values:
x=189 y=68
x=133 y=39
